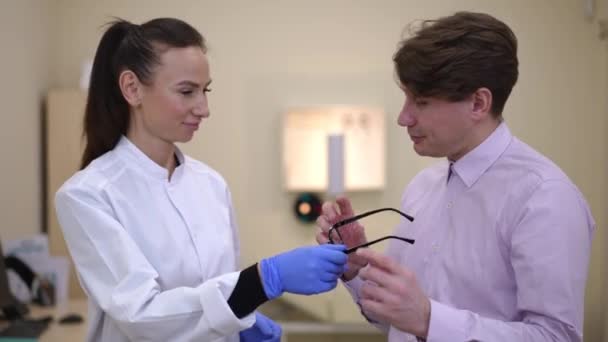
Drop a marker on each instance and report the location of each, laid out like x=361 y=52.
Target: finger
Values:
x=370 y=290
x=330 y=211
x=379 y=260
x=329 y=285
x=334 y=253
x=322 y=238
x=329 y=276
x=390 y=286
x=346 y=209
x=323 y=223
x=334 y=237
x=273 y=332
x=374 y=308
x=356 y=260
x=263 y=324
x=377 y=275
x=334 y=247
x=334 y=269
x=323 y=286
x=277 y=331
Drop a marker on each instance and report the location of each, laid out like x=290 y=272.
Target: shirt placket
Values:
x=443 y=210
x=176 y=200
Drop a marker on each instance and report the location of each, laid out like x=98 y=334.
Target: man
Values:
x=502 y=236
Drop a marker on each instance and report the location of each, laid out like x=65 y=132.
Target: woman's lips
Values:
x=192 y=125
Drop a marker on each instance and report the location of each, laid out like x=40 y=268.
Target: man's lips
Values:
x=416 y=138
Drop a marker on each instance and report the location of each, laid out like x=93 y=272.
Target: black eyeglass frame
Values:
x=344 y=222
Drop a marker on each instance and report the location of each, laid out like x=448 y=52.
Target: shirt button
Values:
x=449 y=205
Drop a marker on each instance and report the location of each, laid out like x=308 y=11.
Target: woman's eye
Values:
x=207 y=90
x=186 y=92
x=421 y=103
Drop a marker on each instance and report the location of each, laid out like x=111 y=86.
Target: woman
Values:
x=152 y=231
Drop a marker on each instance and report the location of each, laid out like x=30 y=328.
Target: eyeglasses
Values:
x=335 y=228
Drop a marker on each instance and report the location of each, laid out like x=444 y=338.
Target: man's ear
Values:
x=130 y=87
x=481 y=103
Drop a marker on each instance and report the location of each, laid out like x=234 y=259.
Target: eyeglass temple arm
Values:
x=352 y=250
x=360 y=216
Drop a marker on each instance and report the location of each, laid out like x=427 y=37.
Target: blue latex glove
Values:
x=264 y=330
x=304 y=270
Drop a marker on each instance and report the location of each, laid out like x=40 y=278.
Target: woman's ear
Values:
x=482 y=103
x=130 y=87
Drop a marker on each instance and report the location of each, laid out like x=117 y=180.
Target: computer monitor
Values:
x=10 y=307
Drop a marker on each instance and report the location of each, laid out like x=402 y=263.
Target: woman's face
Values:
x=175 y=103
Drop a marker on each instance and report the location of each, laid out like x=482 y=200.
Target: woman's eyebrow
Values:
x=188 y=83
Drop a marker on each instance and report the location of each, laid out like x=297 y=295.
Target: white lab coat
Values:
x=156 y=257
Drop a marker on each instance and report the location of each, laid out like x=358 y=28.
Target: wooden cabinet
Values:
x=63 y=149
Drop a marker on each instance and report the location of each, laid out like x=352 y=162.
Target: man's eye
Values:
x=420 y=103
x=186 y=92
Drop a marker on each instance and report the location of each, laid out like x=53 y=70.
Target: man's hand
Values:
x=391 y=293
x=353 y=234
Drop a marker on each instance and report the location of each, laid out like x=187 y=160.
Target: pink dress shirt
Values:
x=502 y=246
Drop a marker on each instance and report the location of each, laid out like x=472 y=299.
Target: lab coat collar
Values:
x=126 y=149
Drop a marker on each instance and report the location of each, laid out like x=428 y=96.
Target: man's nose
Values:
x=406 y=119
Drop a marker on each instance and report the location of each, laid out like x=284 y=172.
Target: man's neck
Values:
x=478 y=135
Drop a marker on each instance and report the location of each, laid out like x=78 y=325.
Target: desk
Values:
x=63 y=332
x=317 y=331
x=304 y=330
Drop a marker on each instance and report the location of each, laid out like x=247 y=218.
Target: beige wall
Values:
x=269 y=55
x=24 y=27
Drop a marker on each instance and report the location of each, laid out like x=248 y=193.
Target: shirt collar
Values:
x=473 y=164
x=127 y=149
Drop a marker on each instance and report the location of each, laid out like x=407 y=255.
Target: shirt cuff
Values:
x=353 y=286
x=216 y=310
x=446 y=323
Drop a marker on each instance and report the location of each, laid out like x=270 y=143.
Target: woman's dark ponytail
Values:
x=107 y=112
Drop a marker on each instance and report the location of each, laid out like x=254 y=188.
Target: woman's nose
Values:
x=201 y=108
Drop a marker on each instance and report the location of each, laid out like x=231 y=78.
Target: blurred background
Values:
x=268 y=56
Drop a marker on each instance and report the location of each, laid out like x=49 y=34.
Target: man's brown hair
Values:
x=452 y=57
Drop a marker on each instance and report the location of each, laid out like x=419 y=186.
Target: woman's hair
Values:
x=126 y=46
x=452 y=57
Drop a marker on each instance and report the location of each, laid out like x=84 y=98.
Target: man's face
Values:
x=437 y=127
